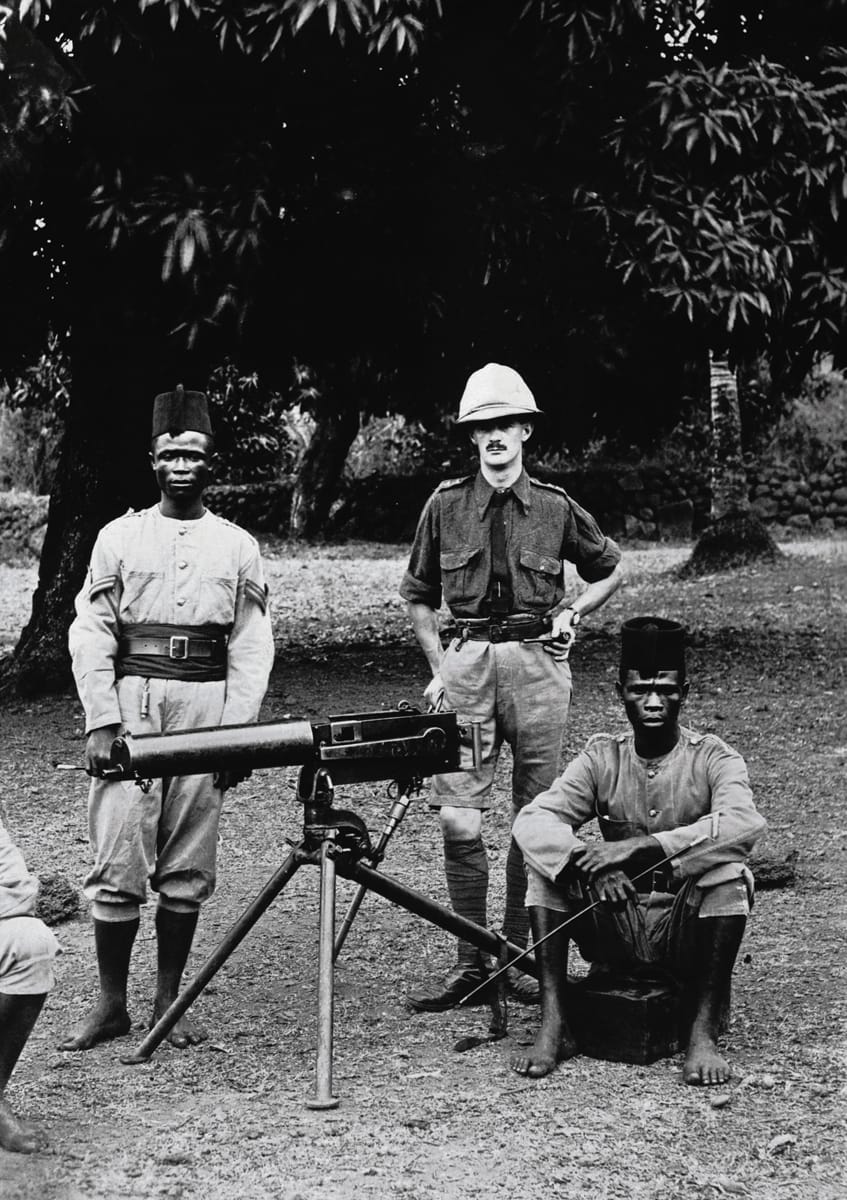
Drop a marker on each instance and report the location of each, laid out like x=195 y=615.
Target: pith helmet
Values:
x=180 y=411
x=496 y=391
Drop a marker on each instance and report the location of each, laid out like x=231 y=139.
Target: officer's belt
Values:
x=510 y=629
x=161 y=651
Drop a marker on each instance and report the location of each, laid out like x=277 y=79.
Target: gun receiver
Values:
x=399 y=744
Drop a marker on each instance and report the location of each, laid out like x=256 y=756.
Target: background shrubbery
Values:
x=796 y=460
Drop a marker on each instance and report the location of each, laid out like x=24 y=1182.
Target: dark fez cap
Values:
x=652 y=644
x=179 y=411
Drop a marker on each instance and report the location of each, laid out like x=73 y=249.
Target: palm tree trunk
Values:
x=735 y=536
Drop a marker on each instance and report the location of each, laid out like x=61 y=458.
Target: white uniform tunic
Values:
x=150 y=569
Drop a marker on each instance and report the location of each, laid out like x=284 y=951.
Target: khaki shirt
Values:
x=451 y=554
x=147 y=568
x=700 y=787
x=18 y=888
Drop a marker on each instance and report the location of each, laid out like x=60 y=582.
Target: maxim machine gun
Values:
x=403 y=745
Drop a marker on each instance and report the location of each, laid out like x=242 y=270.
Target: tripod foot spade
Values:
x=133 y=1060
x=329 y=1102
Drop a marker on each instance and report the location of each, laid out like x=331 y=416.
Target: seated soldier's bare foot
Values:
x=105 y=1022
x=186 y=1032
x=553 y=1044
x=704 y=1065
x=17 y=1135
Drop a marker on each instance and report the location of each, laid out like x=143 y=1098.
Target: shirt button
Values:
x=180 y=601
x=654 y=812
x=650 y=774
x=182 y=531
x=183 y=565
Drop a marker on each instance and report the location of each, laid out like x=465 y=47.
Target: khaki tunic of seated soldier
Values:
x=700 y=788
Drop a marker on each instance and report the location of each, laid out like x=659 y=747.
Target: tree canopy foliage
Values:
x=376 y=196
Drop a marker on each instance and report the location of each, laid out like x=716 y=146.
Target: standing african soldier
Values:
x=172 y=632
x=493 y=545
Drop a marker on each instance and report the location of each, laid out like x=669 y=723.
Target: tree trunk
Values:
x=320 y=470
x=735 y=536
x=119 y=360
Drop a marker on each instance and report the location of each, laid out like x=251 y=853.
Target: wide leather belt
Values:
x=178 y=647
x=510 y=629
x=660 y=880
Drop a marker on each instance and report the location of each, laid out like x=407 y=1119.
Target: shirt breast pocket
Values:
x=216 y=600
x=540 y=575
x=141 y=596
x=461 y=572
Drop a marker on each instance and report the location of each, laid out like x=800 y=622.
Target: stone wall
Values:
x=647 y=502
x=644 y=502
x=815 y=502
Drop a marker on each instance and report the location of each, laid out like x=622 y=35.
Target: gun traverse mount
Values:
x=401 y=744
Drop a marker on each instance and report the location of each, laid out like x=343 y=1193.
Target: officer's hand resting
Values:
x=562 y=634
x=434 y=693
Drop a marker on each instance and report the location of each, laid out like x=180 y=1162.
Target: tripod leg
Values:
x=217 y=958
x=349 y=918
x=396 y=815
x=323 y=1097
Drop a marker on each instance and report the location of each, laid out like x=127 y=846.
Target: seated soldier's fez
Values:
x=180 y=411
x=652 y=644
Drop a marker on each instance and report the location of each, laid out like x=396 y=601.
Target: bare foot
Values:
x=18 y=1136
x=185 y=1033
x=552 y=1046
x=704 y=1065
x=105 y=1022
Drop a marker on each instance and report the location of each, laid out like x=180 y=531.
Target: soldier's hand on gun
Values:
x=98 y=747
x=434 y=693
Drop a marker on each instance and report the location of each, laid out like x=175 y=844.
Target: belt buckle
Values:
x=179 y=642
x=495 y=633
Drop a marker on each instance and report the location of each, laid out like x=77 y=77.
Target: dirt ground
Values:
x=417 y=1120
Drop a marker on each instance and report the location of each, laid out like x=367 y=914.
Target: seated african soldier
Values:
x=678 y=823
x=27 y=950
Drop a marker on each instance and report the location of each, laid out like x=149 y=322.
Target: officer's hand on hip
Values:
x=434 y=693
x=562 y=634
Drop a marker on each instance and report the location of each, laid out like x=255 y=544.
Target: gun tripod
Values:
x=337 y=842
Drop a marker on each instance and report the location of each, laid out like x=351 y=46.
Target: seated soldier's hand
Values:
x=98 y=747
x=613 y=887
x=604 y=856
x=230 y=779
